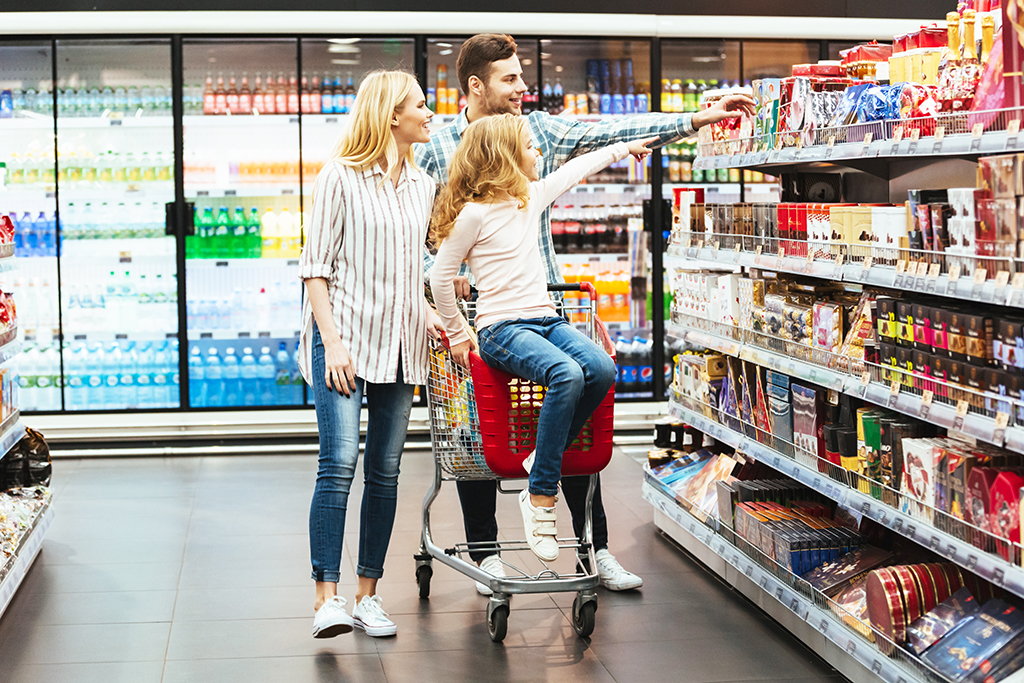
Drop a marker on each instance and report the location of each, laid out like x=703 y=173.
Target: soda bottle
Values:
x=339 y=96
x=281 y=94
x=546 y=96
x=327 y=97
x=557 y=97
x=231 y=97
x=205 y=232
x=293 y=94
x=221 y=244
x=350 y=94
x=645 y=364
x=269 y=96
x=304 y=97
x=315 y=99
x=253 y=234
x=258 y=106
x=220 y=96
x=676 y=91
x=239 y=234
x=271 y=239
x=629 y=372
x=690 y=97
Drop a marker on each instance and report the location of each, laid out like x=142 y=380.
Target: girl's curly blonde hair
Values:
x=484 y=169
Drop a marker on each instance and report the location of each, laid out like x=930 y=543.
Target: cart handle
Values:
x=563 y=287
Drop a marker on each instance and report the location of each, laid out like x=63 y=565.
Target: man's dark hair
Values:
x=478 y=53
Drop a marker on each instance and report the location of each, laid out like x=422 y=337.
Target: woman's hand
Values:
x=461 y=351
x=434 y=327
x=339 y=375
x=639 y=148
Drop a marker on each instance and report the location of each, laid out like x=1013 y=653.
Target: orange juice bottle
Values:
x=620 y=297
x=571 y=299
x=604 y=295
x=585 y=274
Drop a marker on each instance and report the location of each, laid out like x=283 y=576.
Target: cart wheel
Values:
x=423 y=574
x=497 y=623
x=583 y=617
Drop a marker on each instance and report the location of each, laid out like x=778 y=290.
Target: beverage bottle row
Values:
x=109 y=220
x=442 y=99
x=229 y=381
x=35 y=236
x=237 y=235
x=112 y=101
x=612 y=287
x=554 y=100
x=679 y=96
x=254 y=309
x=37 y=302
x=590 y=229
x=635 y=363
x=82 y=169
x=234 y=96
x=122 y=375
x=204 y=168
x=139 y=302
x=39 y=378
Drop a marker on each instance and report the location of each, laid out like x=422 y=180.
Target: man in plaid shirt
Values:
x=492 y=79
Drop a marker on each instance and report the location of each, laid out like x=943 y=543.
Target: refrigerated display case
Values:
x=94 y=163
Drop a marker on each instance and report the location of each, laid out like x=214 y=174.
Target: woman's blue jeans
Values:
x=337 y=417
x=577 y=373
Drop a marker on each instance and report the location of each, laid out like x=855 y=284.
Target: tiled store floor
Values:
x=197 y=570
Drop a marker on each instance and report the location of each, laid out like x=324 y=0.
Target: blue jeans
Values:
x=577 y=373
x=337 y=418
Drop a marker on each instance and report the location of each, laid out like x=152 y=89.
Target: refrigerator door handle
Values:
x=171 y=218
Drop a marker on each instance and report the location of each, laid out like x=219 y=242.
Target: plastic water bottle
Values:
x=146 y=390
x=232 y=379
x=128 y=377
x=250 y=380
x=283 y=376
x=262 y=310
x=173 y=376
x=197 y=378
x=297 y=382
x=95 y=390
x=160 y=366
x=78 y=379
x=51 y=361
x=266 y=374
x=214 y=380
x=28 y=369
x=116 y=396
x=29 y=238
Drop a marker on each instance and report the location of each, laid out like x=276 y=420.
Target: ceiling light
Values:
x=444 y=44
x=345 y=61
x=445 y=52
x=343 y=49
x=343 y=41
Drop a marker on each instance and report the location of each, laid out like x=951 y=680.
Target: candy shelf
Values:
x=858 y=145
x=833 y=482
x=952 y=276
x=960 y=409
x=14 y=571
x=806 y=613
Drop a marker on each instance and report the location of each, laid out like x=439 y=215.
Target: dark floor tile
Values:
x=274 y=602
x=171 y=527
x=126 y=607
x=102 y=672
x=324 y=666
x=254 y=638
x=233 y=550
x=64 y=549
x=497 y=663
x=57 y=644
x=402 y=597
x=100 y=578
x=265 y=573
x=441 y=631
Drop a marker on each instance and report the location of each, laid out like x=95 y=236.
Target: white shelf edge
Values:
x=990 y=567
x=865 y=654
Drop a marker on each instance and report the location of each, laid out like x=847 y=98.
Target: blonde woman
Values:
x=489 y=214
x=364 y=333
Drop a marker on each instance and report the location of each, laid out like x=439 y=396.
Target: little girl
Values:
x=489 y=214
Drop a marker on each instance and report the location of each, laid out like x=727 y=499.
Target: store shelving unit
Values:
x=13 y=572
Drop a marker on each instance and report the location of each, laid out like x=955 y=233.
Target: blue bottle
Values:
x=144 y=386
x=29 y=238
x=641 y=103
x=606 y=103
x=128 y=376
x=283 y=376
x=297 y=382
x=630 y=103
x=6 y=104
x=113 y=397
x=327 y=98
x=340 y=101
x=266 y=374
x=618 y=105
x=197 y=378
x=250 y=386
x=214 y=380
x=232 y=379
x=173 y=376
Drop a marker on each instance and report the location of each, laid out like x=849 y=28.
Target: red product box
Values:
x=932 y=36
x=899 y=43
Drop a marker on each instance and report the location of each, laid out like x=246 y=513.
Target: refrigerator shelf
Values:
x=242 y=335
x=591 y=258
x=11 y=431
x=264 y=262
x=988 y=565
x=200 y=191
x=14 y=571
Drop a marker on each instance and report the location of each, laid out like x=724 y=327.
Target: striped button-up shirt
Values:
x=559 y=139
x=366 y=239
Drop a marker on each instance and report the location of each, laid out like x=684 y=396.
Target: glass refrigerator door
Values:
x=28 y=199
x=597 y=227
x=115 y=167
x=241 y=160
x=332 y=70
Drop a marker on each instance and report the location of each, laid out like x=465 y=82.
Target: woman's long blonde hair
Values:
x=368 y=137
x=485 y=169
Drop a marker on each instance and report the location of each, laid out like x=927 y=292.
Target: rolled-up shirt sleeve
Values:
x=326 y=228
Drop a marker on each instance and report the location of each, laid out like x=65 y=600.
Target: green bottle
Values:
x=204 y=243
x=254 y=235
x=690 y=97
x=222 y=235
x=239 y=234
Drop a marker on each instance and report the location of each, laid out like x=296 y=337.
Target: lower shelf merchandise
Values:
x=25 y=516
x=839 y=571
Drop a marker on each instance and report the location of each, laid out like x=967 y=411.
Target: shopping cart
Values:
x=482 y=426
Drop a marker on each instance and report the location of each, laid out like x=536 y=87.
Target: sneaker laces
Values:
x=335 y=603
x=372 y=606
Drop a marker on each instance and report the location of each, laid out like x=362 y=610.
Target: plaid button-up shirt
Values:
x=559 y=139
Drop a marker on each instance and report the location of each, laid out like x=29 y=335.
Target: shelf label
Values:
x=940 y=133
x=954 y=277
x=868 y=261
x=1012 y=129
x=1002 y=278
x=980 y=274
x=758 y=250
x=838 y=271
x=915 y=134
x=926 y=404
x=1016 y=290
x=230 y=193
x=867 y=143
x=1002 y=420
x=115 y=122
x=901 y=268
x=961 y=414
x=894 y=392
x=976 y=132
x=782 y=253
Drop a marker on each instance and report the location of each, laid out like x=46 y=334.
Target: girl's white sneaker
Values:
x=332 y=619
x=370 y=616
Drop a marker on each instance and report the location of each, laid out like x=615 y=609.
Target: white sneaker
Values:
x=332 y=619
x=493 y=566
x=540 y=528
x=528 y=463
x=370 y=616
x=613 y=576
